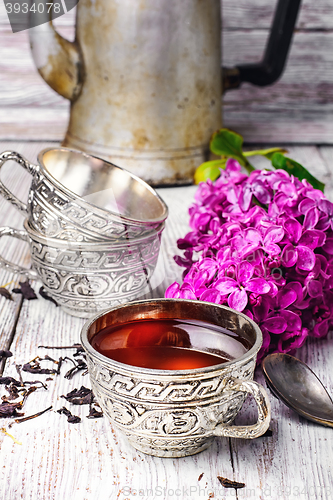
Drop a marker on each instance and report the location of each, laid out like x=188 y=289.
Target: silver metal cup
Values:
x=88 y=277
x=75 y=196
x=171 y=413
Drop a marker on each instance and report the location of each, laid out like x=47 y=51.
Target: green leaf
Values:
x=268 y=153
x=296 y=169
x=209 y=170
x=225 y=142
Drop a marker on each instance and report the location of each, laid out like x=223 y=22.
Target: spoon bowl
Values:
x=298 y=387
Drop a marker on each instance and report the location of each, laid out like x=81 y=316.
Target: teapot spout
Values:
x=58 y=60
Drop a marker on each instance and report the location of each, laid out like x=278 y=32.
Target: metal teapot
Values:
x=144 y=79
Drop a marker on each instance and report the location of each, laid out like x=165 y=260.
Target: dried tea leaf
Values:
x=79 y=350
x=45 y=296
x=9 y=380
x=72 y=419
x=201 y=476
x=30 y=417
x=227 y=483
x=27 y=382
x=93 y=412
x=13 y=393
x=18 y=369
x=82 y=396
x=8 y=410
x=5 y=293
x=26 y=290
x=36 y=368
x=60 y=362
x=78 y=347
x=5 y=354
x=81 y=365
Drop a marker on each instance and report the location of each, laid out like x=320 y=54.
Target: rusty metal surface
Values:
x=151 y=92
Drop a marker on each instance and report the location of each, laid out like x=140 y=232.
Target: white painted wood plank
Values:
x=298 y=108
x=327 y=155
x=296 y=461
x=307 y=78
x=245 y=14
x=15 y=178
x=36 y=124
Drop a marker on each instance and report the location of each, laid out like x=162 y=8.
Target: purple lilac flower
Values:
x=262 y=244
x=244 y=282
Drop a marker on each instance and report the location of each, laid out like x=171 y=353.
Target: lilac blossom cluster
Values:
x=262 y=244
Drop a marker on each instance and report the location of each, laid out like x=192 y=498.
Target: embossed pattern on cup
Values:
x=85 y=278
x=75 y=196
x=176 y=413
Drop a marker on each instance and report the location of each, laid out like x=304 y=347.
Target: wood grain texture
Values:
x=296 y=109
x=259 y=14
x=16 y=179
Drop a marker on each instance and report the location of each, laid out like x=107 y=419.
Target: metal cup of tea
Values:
x=173 y=374
x=88 y=277
x=75 y=196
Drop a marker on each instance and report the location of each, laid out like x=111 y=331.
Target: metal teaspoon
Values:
x=298 y=387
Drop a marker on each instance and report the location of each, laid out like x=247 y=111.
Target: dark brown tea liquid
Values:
x=169 y=344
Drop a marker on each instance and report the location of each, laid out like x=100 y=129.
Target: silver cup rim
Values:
x=89 y=245
x=174 y=374
x=97 y=209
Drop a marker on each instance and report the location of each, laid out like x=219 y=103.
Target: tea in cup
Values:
x=172 y=374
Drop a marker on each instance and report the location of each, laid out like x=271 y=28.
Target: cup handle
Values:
x=264 y=412
x=15 y=268
x=4 y=191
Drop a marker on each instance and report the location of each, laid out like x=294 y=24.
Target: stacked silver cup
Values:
x=94 y=229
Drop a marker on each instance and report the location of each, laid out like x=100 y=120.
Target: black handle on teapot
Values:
x=271 y=67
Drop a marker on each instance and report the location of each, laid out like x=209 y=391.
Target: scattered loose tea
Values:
x=43 y=294
x=5 y=293
x=227 y=483
x=201 y=476
x=30 y=417
x=74 y=346
x=82 y=396
x=72 y=419
x=18 y=369
x=48 y=358
x=5 y=354
x=26 y=290
x=60 y=362
x=78 y=347
x=80 y=366
x=13 y=392
x=27 y=382
x=35 y=367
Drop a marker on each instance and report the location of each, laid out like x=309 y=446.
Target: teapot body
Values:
x=151 y=91
x=144 y=79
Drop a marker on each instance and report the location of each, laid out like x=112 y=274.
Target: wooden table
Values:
x=90 y=460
